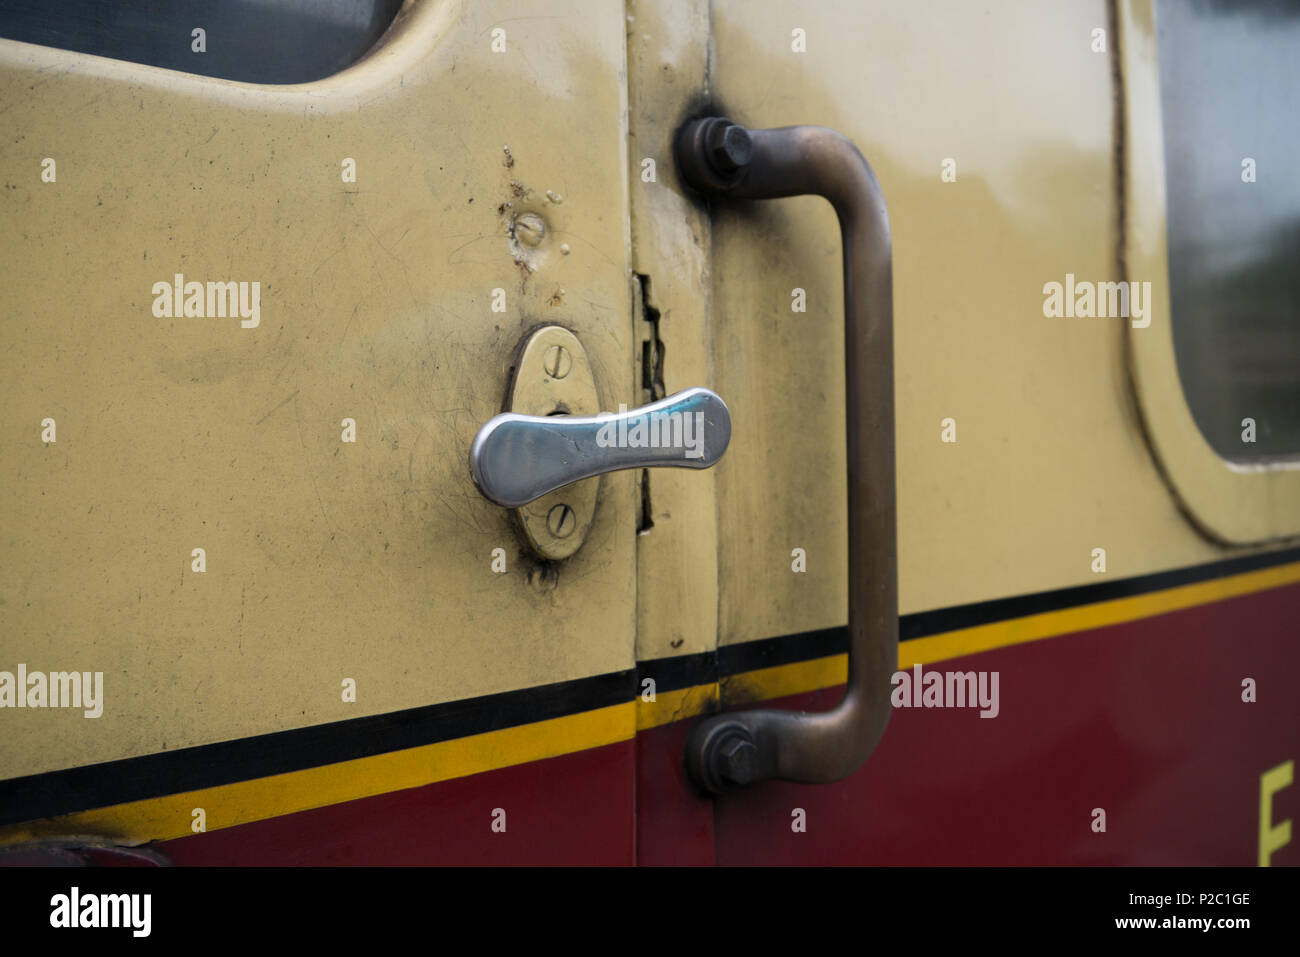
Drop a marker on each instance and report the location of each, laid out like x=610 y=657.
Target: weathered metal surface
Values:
x=552 y=374
x=325 y=560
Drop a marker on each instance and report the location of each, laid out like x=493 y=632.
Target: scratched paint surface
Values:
x=325 y=560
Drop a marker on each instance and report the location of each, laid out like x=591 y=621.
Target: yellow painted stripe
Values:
x=804 y=676
x=169 y=817
x=1015 y=631
x=782 y=680
x=670 y=706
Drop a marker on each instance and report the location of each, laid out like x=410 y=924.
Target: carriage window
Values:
x=258 y=41
x=1229 y=88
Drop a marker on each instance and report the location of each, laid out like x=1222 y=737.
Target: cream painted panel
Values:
x=1050 y=460
x=325 y=560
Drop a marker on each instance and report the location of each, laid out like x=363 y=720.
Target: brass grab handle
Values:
x=726 y=161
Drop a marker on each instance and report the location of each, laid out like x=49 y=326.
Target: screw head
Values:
x=560 y=521
x=530 y=229
x=557 y=362
x=730 y=146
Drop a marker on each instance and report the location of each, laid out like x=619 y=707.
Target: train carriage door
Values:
x=250 y=332
x=967 y=160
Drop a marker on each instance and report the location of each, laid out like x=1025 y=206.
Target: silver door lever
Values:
x=518 y=458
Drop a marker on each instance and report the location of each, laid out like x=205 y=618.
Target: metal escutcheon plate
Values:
x=552 y=376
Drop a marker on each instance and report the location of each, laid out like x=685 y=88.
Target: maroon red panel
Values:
x=574 y=809
x=674 y=823
x=1144 y=720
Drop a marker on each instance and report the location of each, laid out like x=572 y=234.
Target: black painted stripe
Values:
x=805 y=646
x=940 y=620
x=243 y=759
x=679 y=671
x=171 y=772
x=783 y=650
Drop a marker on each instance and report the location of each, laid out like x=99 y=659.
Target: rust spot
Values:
x=557 y=298
x=509 y=161
x=517 y=189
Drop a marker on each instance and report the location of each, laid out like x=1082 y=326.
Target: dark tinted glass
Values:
x=1230 y=90
x=258 y=41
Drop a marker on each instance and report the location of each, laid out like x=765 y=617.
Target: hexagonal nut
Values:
x=737 y=759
